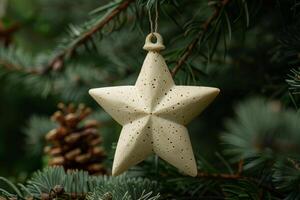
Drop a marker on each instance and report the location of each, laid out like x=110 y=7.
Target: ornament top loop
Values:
x=154 y=46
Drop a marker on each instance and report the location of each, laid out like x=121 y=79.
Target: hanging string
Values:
x=156 y=16
x=153 y=26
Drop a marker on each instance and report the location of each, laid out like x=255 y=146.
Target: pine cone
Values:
x=74 y=144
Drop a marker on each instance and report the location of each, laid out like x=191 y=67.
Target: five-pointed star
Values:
x=153 y=113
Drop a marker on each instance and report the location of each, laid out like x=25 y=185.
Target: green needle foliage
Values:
x=287 y=177
x=56 y=183
x=294 y=81
x=262 y=131
x=123 y=188
x=267 y=139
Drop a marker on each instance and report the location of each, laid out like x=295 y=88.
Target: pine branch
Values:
x=294 y=80
x=258 y=140
x=55 y=183
x=13 y=67
x=189 y=49
x=58 y=60
x=295 y=164
x=14 y=59
x=238 y=177
x=267 y=143
x=286 y=177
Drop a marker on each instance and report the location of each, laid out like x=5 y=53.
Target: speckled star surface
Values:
x=153 y=114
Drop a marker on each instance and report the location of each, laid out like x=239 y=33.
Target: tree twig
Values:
x=13 y=67
x=205 y=27
x=240 y=166
x=237 y=177
x=58 y=61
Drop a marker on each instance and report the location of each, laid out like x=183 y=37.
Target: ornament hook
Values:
x=154 y=46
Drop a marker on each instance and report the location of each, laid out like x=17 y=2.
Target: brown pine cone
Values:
x=74 y=144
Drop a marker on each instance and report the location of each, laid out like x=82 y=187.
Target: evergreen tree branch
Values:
x=189 y=49
x=56 y=183
x=13 y=59
x=13 y=67
x=58 y=60
x=293 y=81
x=238 y=177
x=294 y=163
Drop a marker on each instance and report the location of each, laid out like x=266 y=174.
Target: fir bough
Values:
x=266 y=137
x=127 y=189
x=262 y=131
x=287 y=177
x=294 y=81
x=55 y=183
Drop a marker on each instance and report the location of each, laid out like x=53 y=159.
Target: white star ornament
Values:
x=154 y=113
